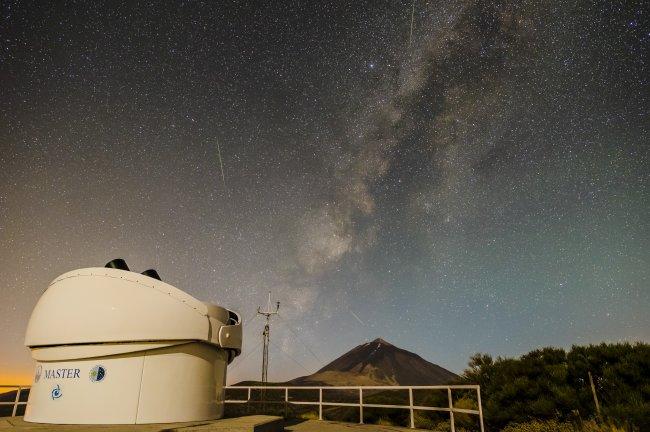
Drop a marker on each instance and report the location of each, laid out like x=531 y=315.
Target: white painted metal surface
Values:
x=72 y=352
x=96 y=305
x=118 y=347
x=64 y=393
x=182 y=385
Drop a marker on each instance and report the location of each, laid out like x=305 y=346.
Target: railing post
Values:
x=320 y=403
x=451 y=410
x=286 y=401
x=13 y=412
x=248 y=401
x=360 y=405
x=480 y=407
x=411 y=407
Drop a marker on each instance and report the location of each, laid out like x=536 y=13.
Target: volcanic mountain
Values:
x=378 y=363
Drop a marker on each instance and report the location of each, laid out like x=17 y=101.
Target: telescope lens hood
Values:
x=117 y=263
x=152 y=274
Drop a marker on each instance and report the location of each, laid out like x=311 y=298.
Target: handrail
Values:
x=16 y=402
x=395 y=387
x=360 y=404
x=321 y=403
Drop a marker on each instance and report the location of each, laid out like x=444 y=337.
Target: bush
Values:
x=555 y=426
x=550 y=384
x=540 y=426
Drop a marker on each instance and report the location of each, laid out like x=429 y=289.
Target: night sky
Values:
x=477 y=184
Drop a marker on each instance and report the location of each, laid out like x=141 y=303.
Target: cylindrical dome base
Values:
x=177 y=383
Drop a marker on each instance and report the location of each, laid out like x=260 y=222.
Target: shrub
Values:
x=540 y=426
x=556 y=426
x=552 y=385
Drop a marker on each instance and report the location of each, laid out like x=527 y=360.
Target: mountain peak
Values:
x=381 y=341
x=378 y=363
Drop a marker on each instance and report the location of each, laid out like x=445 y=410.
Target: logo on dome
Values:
x=39 y=371
x=56 y=392
x=97 y=373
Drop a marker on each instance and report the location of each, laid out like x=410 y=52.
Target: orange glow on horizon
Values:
x=17 y=378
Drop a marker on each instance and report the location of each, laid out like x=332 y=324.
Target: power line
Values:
x=241 y=359
x=254 y=349
x=292 y=359
x=303 y=340
x=252 y=318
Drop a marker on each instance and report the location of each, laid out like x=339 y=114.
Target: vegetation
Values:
x=546 y=390
x=556 y=426
x=552 y=385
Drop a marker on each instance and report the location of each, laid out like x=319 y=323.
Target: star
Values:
x=487 y=172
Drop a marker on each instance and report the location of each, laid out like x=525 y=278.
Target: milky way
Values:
x=482 y=188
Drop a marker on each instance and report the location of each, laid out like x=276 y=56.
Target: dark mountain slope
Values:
x=378 y=363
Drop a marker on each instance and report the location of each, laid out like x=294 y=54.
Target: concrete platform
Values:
x=331 y=426
x=255 y=423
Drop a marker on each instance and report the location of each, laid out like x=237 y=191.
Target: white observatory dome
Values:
x=118 y=347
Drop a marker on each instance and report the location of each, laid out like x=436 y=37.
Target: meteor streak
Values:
x=223 y=177
x=358 y=319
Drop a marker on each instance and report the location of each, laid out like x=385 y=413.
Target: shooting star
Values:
x=223 y=177
x=358 y=319
x=412 y=17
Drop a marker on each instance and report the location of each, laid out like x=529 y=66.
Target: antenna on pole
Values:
x=265 y=336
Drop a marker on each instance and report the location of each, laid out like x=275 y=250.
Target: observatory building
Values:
x=117 y=347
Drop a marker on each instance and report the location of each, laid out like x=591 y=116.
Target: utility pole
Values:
x=265 y=337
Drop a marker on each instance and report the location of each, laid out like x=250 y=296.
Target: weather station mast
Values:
x=268 y=313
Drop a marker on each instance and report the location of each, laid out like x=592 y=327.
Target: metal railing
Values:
x=16 y=402
x=361 y=405
x=322 y=403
